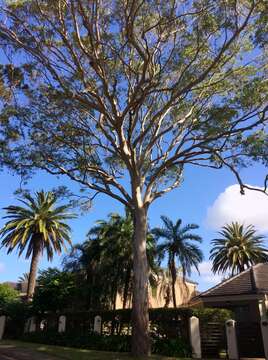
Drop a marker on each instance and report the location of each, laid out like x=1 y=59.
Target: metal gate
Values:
x=213 y=339
x=249 y=339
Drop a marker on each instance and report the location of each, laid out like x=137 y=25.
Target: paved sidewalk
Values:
x=11 y=352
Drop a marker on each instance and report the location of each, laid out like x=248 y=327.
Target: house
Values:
x=246 y=294
x=185 y=291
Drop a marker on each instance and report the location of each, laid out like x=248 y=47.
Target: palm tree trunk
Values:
x=140 y=317
x=33 y=267
x=174 y=276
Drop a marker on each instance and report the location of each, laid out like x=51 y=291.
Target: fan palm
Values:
x=237 y=249
x=35 y=227
x=178 y=244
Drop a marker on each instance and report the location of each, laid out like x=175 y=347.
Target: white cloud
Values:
x=207 y=275
x=2 y=267
x=230 y=205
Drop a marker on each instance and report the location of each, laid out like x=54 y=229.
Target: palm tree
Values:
x=165 y=285
x=35 y=227
x=24 y=278
x=106 y=258
x=115 y=236
x=238 y=248
x=84 y=262
x=178 y=245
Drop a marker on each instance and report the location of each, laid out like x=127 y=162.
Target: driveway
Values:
x=11 y=352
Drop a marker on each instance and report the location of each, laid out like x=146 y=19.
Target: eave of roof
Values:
x=250 y=277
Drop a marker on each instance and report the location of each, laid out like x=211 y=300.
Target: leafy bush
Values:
x=169 y=330
x=55 y=290
x=171 y=347
x=164 y=323
x=17 y=313
x=91 y=341
x=7 y=295
x=212 y=314
x=117 y=343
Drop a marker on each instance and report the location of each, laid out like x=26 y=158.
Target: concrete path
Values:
x=11 y=352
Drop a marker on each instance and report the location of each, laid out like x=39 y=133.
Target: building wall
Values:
x=184 y=292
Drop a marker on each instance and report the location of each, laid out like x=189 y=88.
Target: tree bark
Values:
x=140 y=316
x=33 y=267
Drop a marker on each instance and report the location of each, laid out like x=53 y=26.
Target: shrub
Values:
x=172 y=347
x=89 y=341
x=7 y=295
x=17 y=313
x=118 y=343
x=212 y=314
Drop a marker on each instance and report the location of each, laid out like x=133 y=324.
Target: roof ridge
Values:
x=225 y=282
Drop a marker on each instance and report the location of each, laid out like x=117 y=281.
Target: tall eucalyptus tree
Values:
x=122 y=96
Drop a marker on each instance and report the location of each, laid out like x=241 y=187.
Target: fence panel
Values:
x=249 y=339
x=213 y=339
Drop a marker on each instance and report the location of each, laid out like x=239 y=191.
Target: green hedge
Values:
x=213 y=314
x=118 y=343
x=168 y=329
x=125 y=314
x=167 y=323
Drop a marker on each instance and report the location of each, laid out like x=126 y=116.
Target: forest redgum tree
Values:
x=121 y=96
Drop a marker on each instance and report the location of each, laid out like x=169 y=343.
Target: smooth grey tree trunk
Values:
x=140 y=317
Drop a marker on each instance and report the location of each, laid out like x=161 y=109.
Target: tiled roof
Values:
x=251 y=281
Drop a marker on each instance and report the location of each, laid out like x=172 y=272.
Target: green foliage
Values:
x=238 y=248
x=176 y=345
x=115 y=343
x=89 y=341
x=8 y=296
x=17 y=313
x=172 y=347
x=106 y=258
x=55 y=291
x=37 y=216
x=36 y=227
x=198 y=90
x=213 y=315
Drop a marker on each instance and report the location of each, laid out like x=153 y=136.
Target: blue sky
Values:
x=190 y=202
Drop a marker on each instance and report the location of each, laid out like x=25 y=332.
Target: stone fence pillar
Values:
x=2 y=326
x=195 y=337
x=232 y=347
x=264 y=330
x=32 y=324
x=62 y=324
x=264 y=326
x=97 y=324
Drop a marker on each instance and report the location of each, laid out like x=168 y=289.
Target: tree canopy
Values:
x=147 y=87
x=55 y=291
x=35 y=227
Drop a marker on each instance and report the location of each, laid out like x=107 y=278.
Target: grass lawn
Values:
x=77 y=354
